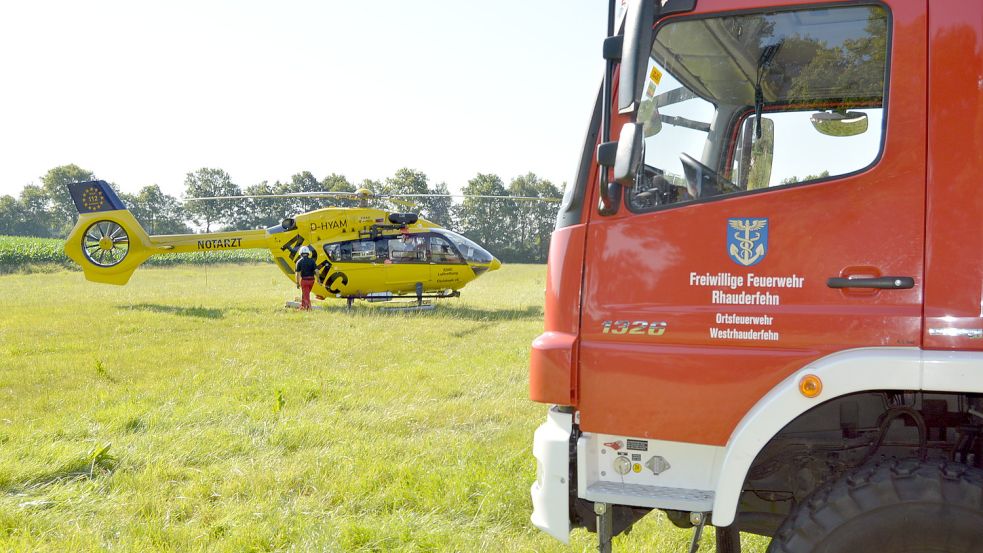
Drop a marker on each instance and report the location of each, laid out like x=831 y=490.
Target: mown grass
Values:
x=188 y=411
x=22 y=254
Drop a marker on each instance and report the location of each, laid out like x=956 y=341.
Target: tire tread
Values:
x=891 y=482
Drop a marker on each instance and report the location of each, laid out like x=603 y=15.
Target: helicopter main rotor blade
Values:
x=347 y=195
x=364 y=196
x=526 y=198
x=403 y=203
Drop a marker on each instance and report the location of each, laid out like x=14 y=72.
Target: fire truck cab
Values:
x=764 y=304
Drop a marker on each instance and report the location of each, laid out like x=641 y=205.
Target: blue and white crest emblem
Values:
x=747 y=240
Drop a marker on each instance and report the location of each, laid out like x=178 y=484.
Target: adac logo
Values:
x=747 y=240
x=93 y=198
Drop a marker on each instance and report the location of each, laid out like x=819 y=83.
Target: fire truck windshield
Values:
x=749 y=101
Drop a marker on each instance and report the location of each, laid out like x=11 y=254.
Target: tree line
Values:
x=513 y=230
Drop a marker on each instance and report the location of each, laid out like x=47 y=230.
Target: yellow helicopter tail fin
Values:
x=107 y=241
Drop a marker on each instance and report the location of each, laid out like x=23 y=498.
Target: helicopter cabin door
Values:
x=407 y=261
x=449 y=270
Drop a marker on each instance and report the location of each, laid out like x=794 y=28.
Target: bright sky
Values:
x=144 y=92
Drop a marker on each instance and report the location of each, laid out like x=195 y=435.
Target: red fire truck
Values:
x=764 y=305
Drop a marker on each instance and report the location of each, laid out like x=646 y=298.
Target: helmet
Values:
x=305 y=250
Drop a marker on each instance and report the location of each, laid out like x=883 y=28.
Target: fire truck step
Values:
x=641 y=495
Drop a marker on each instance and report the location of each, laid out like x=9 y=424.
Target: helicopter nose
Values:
x=495 y=264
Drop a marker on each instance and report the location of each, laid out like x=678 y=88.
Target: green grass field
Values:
x=188 y=411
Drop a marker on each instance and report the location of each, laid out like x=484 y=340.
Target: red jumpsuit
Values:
x=305 y=292
x=306 y=268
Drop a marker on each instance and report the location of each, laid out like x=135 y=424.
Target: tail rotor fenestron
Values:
x=105 y=243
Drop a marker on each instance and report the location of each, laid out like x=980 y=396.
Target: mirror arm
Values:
x=632 y=49
x=606 y=205
x=759 y=102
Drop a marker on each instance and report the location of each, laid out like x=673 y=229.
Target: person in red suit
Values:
x=306 y=267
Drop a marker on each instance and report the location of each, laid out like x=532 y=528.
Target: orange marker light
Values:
x=810 y=386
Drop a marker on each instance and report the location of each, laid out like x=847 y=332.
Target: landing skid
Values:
x=400 y=303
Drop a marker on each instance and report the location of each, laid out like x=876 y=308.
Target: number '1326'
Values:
x=634 y=327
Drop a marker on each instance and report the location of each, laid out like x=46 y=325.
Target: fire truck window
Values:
x=801 y=154
x=442 y=252
x=744 y=102
x=408 y=249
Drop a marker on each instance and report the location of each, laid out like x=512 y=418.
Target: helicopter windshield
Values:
x=472 y=252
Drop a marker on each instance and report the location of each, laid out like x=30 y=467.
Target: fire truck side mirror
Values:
x=625 y=155
x=635 y=52
x=839 y=123
x=754 y=156
x=629 y=156
x=637 y=46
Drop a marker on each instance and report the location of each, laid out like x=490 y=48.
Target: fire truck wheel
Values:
x=899 y=506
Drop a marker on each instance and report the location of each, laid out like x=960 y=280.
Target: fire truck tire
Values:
x=893 y=507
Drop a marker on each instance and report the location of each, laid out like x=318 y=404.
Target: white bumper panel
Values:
x=551 y=491
x=659 y=474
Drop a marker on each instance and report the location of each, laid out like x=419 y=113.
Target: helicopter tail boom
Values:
x=109 y=243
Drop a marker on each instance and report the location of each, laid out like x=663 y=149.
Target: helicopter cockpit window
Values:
x=441 y=251
x=472 y=252
x=408 y=249
x=753 y=101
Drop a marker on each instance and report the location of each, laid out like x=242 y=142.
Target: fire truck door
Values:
x=780 y=216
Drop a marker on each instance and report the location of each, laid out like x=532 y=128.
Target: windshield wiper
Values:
x=764 y=63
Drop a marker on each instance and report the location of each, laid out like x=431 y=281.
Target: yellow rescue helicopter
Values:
x=361 y=252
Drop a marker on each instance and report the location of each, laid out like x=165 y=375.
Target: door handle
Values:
x=883 y=283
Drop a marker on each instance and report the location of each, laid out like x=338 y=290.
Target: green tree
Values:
x=9 y=214
x=854 y=69
x=302 y=182
x=405 y=181
x=532 y=220
x=483 y=220
x=15 y=220
x=261 y=212
x=373 y=186
x=158 y=212
x=338 y=183
x=431 y=207
x=793 y=179
x=37 y=218
x=439 y=208
x=206 y=182
x=60 y=206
